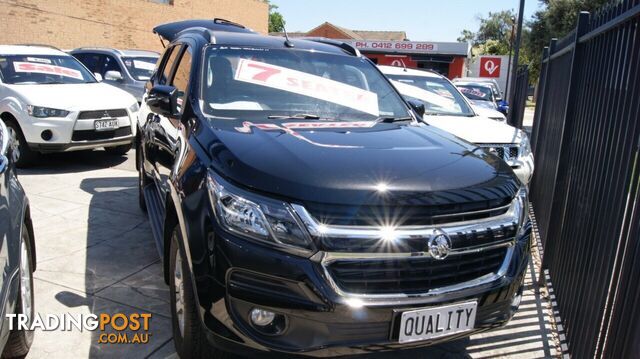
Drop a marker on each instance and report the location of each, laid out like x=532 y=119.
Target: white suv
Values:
x=448 y=109
x=51 y=103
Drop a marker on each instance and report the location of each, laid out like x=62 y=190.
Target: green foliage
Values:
x=276 y=20
x=556 y=19
x=493 y=35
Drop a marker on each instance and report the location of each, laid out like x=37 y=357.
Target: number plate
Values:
x=105 y=125
x=423 y=324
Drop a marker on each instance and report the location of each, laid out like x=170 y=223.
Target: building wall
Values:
x=125 y=24
x=474 y=69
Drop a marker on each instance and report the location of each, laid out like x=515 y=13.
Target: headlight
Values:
x=257 y=217
x=134 y=108
x=38 y=111
x=522 y=208
x=525 y=146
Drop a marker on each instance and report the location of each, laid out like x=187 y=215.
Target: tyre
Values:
x=118 y=150
x=20 y=341
x=188 y=334
x=23 y=156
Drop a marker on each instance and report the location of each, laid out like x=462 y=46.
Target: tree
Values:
x=493 y=35
x=276 y=20
x=556 y=19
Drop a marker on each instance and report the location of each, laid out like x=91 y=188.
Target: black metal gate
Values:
x=586 y=139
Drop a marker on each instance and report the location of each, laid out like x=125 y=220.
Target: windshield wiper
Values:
x=390 y=119
x=304 y=116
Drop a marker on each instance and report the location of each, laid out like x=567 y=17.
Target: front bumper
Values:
x=71 y=134
x=321 y=321
x=523 y=168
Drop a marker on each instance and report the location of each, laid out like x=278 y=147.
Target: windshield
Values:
x=140 y=68
x=261 y=82
x=438 y=95
x=476 y=92
x=43 y=69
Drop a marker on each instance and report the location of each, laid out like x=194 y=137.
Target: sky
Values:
x=423 y=20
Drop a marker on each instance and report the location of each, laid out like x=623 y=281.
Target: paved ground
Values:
x=96 y=255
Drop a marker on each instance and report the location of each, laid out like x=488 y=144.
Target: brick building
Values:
x=125 y=24
x=393 y=48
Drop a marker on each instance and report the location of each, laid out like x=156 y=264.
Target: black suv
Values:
x=301 y=206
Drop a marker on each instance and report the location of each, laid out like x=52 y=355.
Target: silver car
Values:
x=126 y=69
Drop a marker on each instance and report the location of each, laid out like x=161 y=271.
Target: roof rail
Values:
x=98 y=48
x=218 y=20
x=343 y=45
x=40 y=45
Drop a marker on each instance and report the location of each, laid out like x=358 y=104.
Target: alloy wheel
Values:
x=178 y=283
x=14 y=144
x=25 y=280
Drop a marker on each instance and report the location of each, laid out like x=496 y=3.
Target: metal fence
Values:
x=585 y=189
x=521 y=88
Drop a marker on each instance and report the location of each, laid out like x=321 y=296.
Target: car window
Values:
x=110 y=64
x=90 y=60
x=168 y=64
x=43 y=69
x=181 y=77
x=252 y=82
x=140 y=67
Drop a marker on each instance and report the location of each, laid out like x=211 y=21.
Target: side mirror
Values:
x=418 y=107
x=113 y=76
x=162 y=100
x=97 y=76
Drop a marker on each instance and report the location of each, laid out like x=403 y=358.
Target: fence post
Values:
x=537 y=116
x=563 y=169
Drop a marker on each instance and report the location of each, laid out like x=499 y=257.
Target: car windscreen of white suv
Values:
x=42 y=69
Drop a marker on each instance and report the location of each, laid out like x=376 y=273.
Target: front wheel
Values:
x=23 y=156
x=118 y=150
x=20 y=341
x=188 y=334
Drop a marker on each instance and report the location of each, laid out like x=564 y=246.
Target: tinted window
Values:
x=90 y=60
x=168 y=63
x=110 y=64
x=181 y=77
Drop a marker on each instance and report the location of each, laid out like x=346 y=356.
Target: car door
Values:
x=169 y=129
x=7 y=217
x=160 y=131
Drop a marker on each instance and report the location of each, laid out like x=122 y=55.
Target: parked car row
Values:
x=303 y=200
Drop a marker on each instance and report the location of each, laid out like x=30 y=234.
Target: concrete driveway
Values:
x=96 y=255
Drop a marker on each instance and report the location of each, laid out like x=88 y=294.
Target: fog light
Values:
x=46 y=135
x=515 y=302
x=261 y=317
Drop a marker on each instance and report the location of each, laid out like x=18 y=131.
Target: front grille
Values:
x=506 y=152
x=408 y=215
x=92 y=135
x=86 y=115
x=413 y=275
x=459 y=240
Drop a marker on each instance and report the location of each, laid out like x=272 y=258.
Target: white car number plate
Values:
x=104 y=125
x=423 y=324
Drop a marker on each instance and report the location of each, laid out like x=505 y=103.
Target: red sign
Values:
x=490 y=66
x=397 y=60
